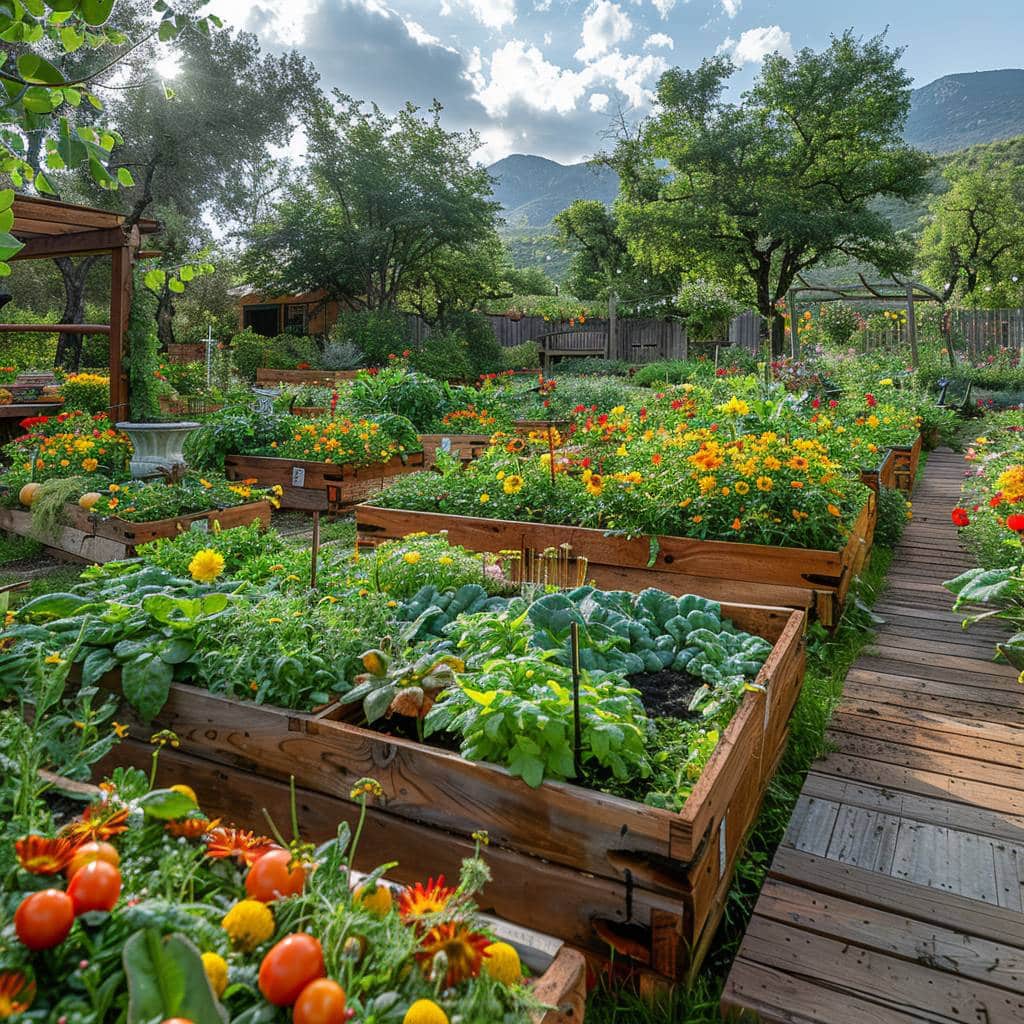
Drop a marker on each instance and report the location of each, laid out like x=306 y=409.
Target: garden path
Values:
x=898 y=892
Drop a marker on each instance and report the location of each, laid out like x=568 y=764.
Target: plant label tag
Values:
x=298 y=476
x=446 y=444
x=200 y=526
x=721 y=845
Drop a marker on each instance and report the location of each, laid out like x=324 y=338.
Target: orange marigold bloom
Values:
x=418 y=900
x=42 y=856
x=464 y=951
x=16 y=993
x=97 y=823
x=191 y=828
x=237 y=842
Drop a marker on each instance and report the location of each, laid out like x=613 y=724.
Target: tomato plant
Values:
x=289 y=967
x=320 y=1002
x=270 y=877
x=95 y=887
x=88 y=852
x=44 y=919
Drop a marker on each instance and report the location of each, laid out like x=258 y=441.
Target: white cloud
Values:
x=664 y=7
x=547 y=38
x=659 y=39
x=599 y=102
x=732 y=7
x=494 y=14
x=420 y=34
x=519 y=71
x=757 y=43
x=604 y=25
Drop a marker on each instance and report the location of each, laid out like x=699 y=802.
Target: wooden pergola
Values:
x=51 y=229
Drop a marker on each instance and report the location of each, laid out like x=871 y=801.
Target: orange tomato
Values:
x=320 y=1002
x=44 y=919
x=269 y=878
x=88 y=852
x=289 y=966
x=95 y=887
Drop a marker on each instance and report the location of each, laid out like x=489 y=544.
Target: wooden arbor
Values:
x=51 y=229
x=893 y=292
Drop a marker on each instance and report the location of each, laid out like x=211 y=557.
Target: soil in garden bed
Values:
x=667 y=694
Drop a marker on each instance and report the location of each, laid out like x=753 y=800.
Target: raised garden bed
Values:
x=817 y=581
x=884 y=475
x=596 y=871
x=907 y=462
x=88 y=538
x=264 y=376
x=320 y=486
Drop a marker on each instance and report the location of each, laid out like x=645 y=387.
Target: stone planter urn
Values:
x=158 y=446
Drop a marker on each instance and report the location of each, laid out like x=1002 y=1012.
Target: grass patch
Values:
x=829 y=660
x=57 y=580
x=14 y=548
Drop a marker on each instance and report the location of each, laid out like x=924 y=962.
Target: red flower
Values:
x=832 y=403
x=42 y=856
x=816 y=403
x=960 y=517
x=996 y=500
x=656 y=459
x=406 y=353
x=1015 y=522
x=871 y=400
x=580 y=408
x=99 y=821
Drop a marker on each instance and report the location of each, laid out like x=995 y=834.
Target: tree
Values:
x=530 y=281
x=783 y=181
x=973 y=245
x=382 y=199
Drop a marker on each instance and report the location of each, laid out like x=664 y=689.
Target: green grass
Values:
x=829 y=660
x=14 y=548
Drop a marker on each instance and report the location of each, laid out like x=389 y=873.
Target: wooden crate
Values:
x=907 y=460
x=593 y=865
x=328 y=377
x=320 y=486
x=559 y=972
x=722 y=570
x=884 y=475
x=90 y=538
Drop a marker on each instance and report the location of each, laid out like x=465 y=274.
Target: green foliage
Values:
x=483 y=350
x=234 y=431
x=87 y=392
x=376 y=334
x=838 y=323
x=525 y=356
x=48 y=509
x=445 y=356
x=893 y=513
x=341 y=355
x=143 y=360
x=29 y=350
x=531 y=281
x=707 y=307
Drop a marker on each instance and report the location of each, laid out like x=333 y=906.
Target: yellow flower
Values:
x=886 y=382
x=742 y=487
x=484 y=498
x=377 y=902
x=411 y=557
x=734 y=407
x=502 y=963
x=834 y=511
x=446 y=560
x=618 y=410
x=425 y=1011
x=186 y=791
x=120 y=730
x=249 y=924
x=54 y=659
x=765 y=483
x=216 y=968
x=621 y=451
x=89 y=465
x=274 y=619
x=206 y=565
x=513 y=484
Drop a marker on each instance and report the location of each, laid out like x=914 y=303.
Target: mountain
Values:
x=958 y=111
x=532 y=189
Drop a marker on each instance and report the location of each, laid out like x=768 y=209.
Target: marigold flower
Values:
x=426 y=1011
x=40 y=855
x=502 y=963
x=1015 y=522
x=411 y=557
x=206 y=565
x=191 y=828
x=216 y=968
x=249 y=923
x=765 y=483
x=90 y=465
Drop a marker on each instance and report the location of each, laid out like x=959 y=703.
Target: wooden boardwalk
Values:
x=898 y=892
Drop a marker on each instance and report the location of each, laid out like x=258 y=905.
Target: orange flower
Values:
x=16 y=993
x=464 y=951
x=42 y=856
x=736 y=524
x=98 y=822
x=191 y=828
x=236 y=842
x=418 y=900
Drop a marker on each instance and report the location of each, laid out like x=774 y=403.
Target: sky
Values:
x=548 y=77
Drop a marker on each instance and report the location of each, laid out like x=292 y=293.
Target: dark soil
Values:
x=667 y=694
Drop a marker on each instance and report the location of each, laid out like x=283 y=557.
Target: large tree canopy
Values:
x=973 y=246
x=383 y=198
x=761 y=190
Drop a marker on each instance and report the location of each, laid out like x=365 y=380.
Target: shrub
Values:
x=893 y=510
x=707 y=308
x=588 y=364
x=525 y=356
x=341 y=355
x=445 y=356
x=482 y=346
x=292 y=352
x=28 y=351
x=376 y=333
x=143 y=364
x=247 y=353
x=838 y=323
x=185 y=378
x=89 y=392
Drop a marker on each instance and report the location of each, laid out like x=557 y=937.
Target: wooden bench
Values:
x=572 y=343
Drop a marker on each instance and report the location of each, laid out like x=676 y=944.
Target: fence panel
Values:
x=746 y=330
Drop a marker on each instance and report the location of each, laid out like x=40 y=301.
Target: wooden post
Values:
x=912 y=326
x=613 y=326
x=120 y=310
x=315 y=554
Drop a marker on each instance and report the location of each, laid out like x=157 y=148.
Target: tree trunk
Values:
x=165 y=318
x=69 y=346
x=778 y=333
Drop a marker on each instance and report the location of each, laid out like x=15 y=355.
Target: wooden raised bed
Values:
x=320 y=486
x=586 y=867
x=89 y=538
x=882 y=476
x=722 y=570
x=265 y=376
x=907 y=459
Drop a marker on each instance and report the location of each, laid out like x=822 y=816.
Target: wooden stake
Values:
x=577 y=749
x=316 y=551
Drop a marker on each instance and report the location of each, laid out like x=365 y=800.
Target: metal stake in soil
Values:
x=577 y=746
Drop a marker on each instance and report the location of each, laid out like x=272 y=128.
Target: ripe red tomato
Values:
x=289 y=966
x=88 y=852
x=321 y=1002
x=269 y=878
x=44 y=919
x=95 y=887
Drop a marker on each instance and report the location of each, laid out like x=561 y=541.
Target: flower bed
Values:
x=603 y=872
x=725 y=571
x=272 y=377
